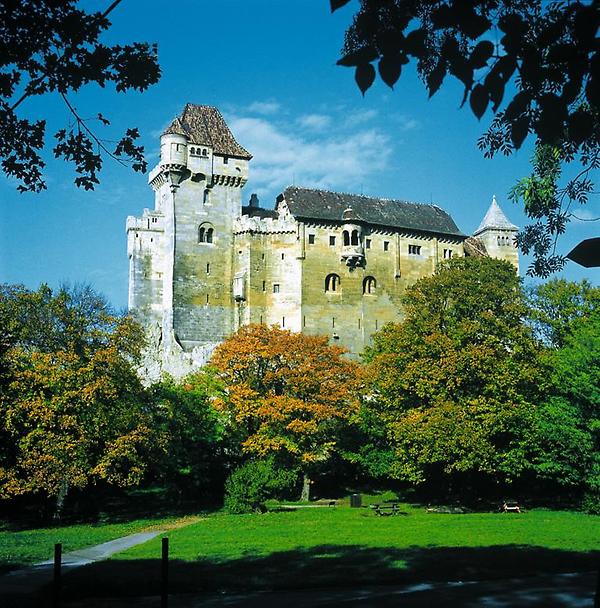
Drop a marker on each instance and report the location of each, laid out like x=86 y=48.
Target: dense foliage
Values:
x=457 y=380
x=483 y=388
x=534 y=63
x=71 y=412
x=249 y=487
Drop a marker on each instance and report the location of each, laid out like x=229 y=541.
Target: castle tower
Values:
x=181 y=254
x=498 y=235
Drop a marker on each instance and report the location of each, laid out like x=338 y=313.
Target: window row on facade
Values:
x=333 y=284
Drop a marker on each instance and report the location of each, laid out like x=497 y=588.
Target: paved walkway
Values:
x=16 y=585
x=575 y=590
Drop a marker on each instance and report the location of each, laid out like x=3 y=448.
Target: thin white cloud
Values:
x=337 y=159
x=315 y=122
x=356 y=119
x=266 y=108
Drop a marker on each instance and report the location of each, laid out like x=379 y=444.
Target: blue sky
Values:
x=270 y=67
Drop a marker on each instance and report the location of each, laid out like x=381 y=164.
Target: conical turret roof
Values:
x=495 y=219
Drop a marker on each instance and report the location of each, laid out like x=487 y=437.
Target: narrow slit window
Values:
x=386 y=245
x=207 y=267
x=311 y=239
x=332 y=241
x=367 y=243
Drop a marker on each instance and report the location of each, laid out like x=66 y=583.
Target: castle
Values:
x=202 y=264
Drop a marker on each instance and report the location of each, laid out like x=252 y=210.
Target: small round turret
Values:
x=173 y=149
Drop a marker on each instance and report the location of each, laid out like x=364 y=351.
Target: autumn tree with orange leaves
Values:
x=288 y=393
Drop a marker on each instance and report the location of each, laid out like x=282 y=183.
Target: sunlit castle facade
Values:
x=202 y=263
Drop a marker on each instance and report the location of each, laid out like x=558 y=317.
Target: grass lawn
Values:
x=24 y=547
x=341 y=546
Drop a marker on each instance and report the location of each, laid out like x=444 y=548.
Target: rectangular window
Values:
x=447 y=254
x=225 y=160
x=283 y=256
x=333 y=322
x=275 y=287
x=414 y=250
x=332 y=241
x=386 y=245
x=262 y=256
x=264 y=286
x=207 y=298
x=367 y=243
x=359 y=324
x=207 y=267
x=311 y=239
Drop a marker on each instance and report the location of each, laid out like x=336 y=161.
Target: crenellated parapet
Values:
x=278 y=225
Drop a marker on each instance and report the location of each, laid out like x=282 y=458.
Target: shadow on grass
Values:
x=324 y=566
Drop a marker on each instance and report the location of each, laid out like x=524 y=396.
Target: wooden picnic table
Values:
x=391 y=508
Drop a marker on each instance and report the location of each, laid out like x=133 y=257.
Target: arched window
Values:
x=192 y=150
x=206 y=194
x=204 y=152
x=369 y=285
x=332 y=283
x=346 y=236
x=354 y=238
x=205 y=233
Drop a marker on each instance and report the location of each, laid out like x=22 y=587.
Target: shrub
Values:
x=591 y=503
x=254 y=482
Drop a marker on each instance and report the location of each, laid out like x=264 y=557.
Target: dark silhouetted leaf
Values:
x=364 y=76
x=481 y=54
x=389 y=69
x=517 y=106
x=519 y=130
x=435 y=78
x=479 y=100
x=414 y=43
x=358 y=57
x=335 y=4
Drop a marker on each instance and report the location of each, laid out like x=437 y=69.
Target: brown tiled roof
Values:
x=330 y=206
x=475 y=247
x=205 y=125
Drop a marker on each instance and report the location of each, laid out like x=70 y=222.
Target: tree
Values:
x=54 y=47
x=287 y=393
x=71 y=404
x=568 y=316
x=457 y=379
x=196 y=453
x=542 y=56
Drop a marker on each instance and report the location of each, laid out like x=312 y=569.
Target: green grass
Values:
x=341 y=546
x=24 y=547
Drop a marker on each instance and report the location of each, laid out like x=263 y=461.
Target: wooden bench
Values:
x=510 y=506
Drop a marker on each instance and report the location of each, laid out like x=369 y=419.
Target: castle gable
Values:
x=322 y=205
x=204 y=125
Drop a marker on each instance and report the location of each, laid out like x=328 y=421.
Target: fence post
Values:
x=56 y=581
x=164 y=571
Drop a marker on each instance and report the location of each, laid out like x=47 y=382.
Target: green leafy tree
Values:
x=71 y=404
x=196 y=448
x=534 y=64
x=457 y=379
x=570 y=313
x=49 y=47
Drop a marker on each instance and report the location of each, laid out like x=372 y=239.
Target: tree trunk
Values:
x=305 y=496
x=61 y=497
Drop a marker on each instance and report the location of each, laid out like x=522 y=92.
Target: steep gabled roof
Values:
x=495 y=220
x=323 y=205
x=205 y=125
